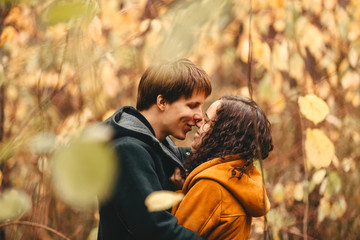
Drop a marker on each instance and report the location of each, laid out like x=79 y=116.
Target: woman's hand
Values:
x=177 y=179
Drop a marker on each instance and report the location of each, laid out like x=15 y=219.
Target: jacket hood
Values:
x=248 y=190
x=127 y=121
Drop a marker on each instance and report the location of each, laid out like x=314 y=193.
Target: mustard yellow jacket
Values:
x=219 y=206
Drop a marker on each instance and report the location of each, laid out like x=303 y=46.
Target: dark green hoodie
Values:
x=145 y=165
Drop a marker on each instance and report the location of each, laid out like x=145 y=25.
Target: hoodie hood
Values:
x=127 y=121
x=248 y=190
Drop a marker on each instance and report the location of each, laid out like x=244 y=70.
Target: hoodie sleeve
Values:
x=138 y=179
x=200 y=210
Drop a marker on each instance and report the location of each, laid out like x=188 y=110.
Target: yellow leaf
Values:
x=162 y=200
x=281 y=56
x=313 y=108
x=353 y=57
x=310 y=37
x=324 y=209
x=279 y=25
x=278 y=193
x=351 y=80
x=243 y=49
x=299 y=192
x=329 y=4
x=297 y=67
x=319 y=176
x=262 y=53
x=277 y=4
x=318 y=148
x=354 y=31
x=95 y=29
x=13 y=203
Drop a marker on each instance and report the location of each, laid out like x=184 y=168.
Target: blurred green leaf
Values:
x=84 y=170
x=334 y=184
x=13 y=203
x=191 y=19
x=338 y=208
x=275 y=217
x=64 y=11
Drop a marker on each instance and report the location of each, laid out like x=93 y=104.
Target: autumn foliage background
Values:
x=65 y=65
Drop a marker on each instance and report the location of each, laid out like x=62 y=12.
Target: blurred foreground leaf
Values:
x=313 y=108
x=162 y=200
x=84 y=170
x=93 y=234
x=318 y=148
x=13 y=203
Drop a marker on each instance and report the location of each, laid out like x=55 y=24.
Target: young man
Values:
x=169 y=102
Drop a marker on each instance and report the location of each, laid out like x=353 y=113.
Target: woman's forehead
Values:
x=211 y=111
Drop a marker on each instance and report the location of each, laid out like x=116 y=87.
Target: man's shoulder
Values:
x=131 y=141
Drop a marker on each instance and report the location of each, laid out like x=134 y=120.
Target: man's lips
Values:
x=188 y=127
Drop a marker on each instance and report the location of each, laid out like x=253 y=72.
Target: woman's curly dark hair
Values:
x=240 y=127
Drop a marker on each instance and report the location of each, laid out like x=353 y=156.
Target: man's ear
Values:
x=161 y=102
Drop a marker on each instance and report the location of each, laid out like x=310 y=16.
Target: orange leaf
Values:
x=6 y=35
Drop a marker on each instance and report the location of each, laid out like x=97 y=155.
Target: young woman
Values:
x=224 y=190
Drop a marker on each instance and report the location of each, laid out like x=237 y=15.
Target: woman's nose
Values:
x=198 y=123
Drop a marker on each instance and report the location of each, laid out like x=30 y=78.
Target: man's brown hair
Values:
x=173 y=80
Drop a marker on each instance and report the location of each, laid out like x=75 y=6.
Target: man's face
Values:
x=181 y=115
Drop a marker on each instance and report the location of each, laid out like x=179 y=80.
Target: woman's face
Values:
x=205 y=124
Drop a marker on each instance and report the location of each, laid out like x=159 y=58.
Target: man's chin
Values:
x=182 y=137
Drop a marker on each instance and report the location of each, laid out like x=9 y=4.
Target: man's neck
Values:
x=155 y=121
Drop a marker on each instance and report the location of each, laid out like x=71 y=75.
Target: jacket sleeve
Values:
x=200 y=209
x=137 y=180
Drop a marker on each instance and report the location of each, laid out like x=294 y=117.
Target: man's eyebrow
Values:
x=195 y=102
